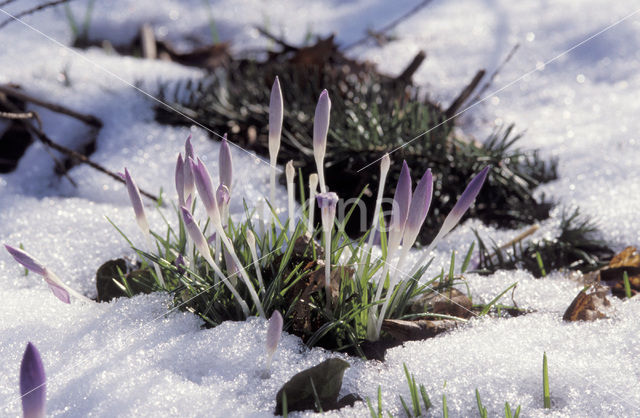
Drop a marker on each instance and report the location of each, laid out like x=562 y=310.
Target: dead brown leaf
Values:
x=448 y=302
x=588 y=305
x=416 y=330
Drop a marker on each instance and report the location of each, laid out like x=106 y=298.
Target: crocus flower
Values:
x=327 y=203
x=225 y=164
x=290 y=174
x=274 y=332
x=320 y=131
x=189 y=185
x=136 y=202
x=141 y=218
x=59 y=289
x=201 y=245
x=313 y=187
x=276 y=115
x=33 y=383
x=222 y=200
x=204 y=185
x=385 y=164
x=461 y=206
x=251 y=241
x=180 y=179
x=418 y=209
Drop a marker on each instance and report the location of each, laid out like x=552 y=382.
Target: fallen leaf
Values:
x=420 y=329
x=448 y=302
x=588 y=305
x=327 y=381
x=139 y=281
x=628 y=260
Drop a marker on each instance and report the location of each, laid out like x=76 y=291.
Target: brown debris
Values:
x=416 y=330
x=588 y=305
x=448 y=302
x=628 y=260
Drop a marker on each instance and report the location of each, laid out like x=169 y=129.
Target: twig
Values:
x=32 y=10
x=11 y=115
x=389 y=25
x=6 y=2
x=287 y=47
x=407 y=74
x=88 y=119
x=69 y=152
x=464 y=95
x=148 y=42
x=515 y=240
x=504 y=62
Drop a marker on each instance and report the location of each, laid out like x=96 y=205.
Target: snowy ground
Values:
x=128 y=358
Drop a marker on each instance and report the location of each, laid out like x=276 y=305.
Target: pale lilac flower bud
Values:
x=418 y=210
x=274 y=332
x=26 y=260
x=205 y=190
x=400 y=209
x=327 y=203
x=290 y=172
x=180 y=179
x=222 y=196
x=33 y=384
x=189 y=185
x=225 y=164
x=320 y=132
x=385 y=164
x=461 y=206
x=196 y=235
x=136 y=202
x=276 y=116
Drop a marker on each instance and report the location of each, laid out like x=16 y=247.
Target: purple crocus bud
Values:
x=222 y=196
x=274 y=332
x=33 y=383
x=33 y=265
x=320 y=131
x=180 y=179
x=205 y=189
x=225 y=164
x=327 y=203
x=418 y=210
x=400 y=209
x=136 y=202
x=26 y=260
x=189 y=185
x=196 y=235
x=276 y=116
x=461 y=206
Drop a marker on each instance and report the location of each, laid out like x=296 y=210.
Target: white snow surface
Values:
x=138 y=357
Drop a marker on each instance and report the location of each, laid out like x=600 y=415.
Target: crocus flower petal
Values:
x=222 y=196
x=274 y=332
x=418 y=209
x=58 y=291
x=225 y=164
x=195 y=233
x=189 y=184
x=401 y=203
x=33 y=386
x=180 y=264
x=461 y=206
x=136 y=201
x=26 y=260
x=180 y=179
x=276 y=116
x=203 y=184
x=321 y=122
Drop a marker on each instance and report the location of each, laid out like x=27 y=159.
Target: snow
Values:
x=136 y=357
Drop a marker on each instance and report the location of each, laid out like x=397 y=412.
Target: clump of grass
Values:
x=372 y=115
x=576 y=247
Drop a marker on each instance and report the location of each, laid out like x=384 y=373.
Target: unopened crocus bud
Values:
x=225 y=164
x=180 y=264
x=33 y=384
x=180 y=180
x=205 y=190
x=59 y=289
x=320 y=132
x=222 y=198
x=276 y=116
x=290 y=171
x=418 y=209
x=136 y=202
x=274 y=332
x=196 y=235
x=400 y=209
x=189 y=185
x=461 y=206
x=385 y=163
